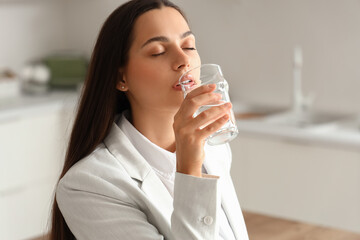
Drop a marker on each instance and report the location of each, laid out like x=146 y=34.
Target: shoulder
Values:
x=98 y=173
x=95 y=164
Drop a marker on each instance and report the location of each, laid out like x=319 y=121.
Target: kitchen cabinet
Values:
x=298 y=180
x=32 y=149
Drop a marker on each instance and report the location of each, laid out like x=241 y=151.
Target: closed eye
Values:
x=157 y=54
x=162 y=53
x=190 y=48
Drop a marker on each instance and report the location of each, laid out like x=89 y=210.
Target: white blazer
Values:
x=115 y=194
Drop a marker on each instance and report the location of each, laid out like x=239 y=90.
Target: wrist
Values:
x=190 y=171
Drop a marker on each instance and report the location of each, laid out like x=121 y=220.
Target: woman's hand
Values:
x=190 y=139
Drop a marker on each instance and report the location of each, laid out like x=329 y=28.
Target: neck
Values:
x=157 y=126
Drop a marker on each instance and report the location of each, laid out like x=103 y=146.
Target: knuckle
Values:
x=215 y=95
x=226 y=117
x=221 y=109
x=204 y=87
x=211 y=128
x=186 y=137
x=225 y=107
x=192 y=101
x=190 y=138
x=212 y=96
x=205 y=114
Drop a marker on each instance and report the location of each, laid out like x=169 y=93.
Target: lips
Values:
x=187 y=81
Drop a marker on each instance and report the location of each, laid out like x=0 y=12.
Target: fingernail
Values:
x=211 y=85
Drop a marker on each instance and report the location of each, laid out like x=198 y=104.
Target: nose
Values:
x=181 y=60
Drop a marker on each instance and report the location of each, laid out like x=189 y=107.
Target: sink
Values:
x=308 y=120
x=317 y=122
x=244 y=112
x=304 y=120
x=350 y=124
x=332 y=129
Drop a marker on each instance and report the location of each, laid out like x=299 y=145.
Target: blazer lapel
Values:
x=138 y=168
x=229 y=201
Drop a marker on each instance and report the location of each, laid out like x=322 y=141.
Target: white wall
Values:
x=253 y=41
x=29 y=30
x=83 y=20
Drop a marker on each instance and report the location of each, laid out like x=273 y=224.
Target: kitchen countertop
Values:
x=24 y=105
x=250 y=122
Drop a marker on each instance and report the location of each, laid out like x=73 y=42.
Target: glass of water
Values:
x=211 y=74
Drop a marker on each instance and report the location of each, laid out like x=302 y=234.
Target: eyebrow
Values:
x=165 y=39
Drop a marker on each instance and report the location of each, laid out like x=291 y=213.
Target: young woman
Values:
x=137 y=165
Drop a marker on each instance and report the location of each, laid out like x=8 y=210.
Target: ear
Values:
x=121 y=84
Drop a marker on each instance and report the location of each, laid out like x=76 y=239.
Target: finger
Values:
x=210 y=115
x=201 y=89
x=192 y=104
x=213 y=127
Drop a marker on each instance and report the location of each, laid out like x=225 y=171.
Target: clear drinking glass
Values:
x=211 y=74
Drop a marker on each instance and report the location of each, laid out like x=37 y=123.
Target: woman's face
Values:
x=162 y=49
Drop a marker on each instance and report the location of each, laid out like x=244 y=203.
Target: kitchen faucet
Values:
x=301 y=103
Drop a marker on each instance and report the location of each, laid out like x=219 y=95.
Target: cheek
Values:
x=139 y=73
x=144 y=77
x=136 y=69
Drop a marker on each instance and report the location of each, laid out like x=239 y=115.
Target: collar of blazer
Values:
x=120 y=146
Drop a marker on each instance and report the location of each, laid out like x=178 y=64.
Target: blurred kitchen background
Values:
x=294 y=74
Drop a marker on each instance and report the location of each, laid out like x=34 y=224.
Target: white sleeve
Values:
x=196 y=205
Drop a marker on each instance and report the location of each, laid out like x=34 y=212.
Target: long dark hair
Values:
x=100 y=100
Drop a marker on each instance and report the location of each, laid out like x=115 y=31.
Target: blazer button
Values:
x=208 y=220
